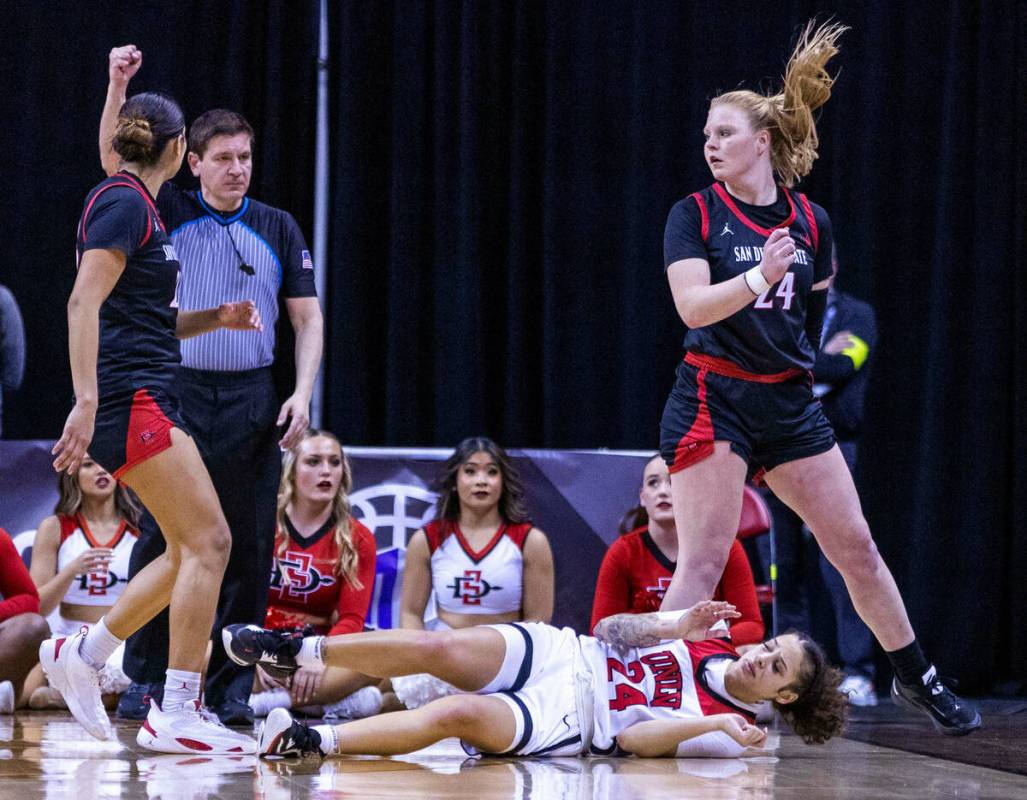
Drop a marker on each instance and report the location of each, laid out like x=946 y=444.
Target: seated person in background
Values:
x=80 y=565
x=22 y=629
x=637 y=568
x=322 y=579
x=653 y=685
x=481 y=556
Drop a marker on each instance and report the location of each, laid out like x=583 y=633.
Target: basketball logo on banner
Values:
x=392 y=512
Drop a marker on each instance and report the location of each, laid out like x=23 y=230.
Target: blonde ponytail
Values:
x=788 y=115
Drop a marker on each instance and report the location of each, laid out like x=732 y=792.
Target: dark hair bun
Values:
x=134 y=137
x=146 y=124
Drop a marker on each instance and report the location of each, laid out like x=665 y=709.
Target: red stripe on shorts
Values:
x=149 y=432
x=697 y=444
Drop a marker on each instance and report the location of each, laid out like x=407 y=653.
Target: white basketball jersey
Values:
x=465 y=581
x=666 y=681
x=94 y=588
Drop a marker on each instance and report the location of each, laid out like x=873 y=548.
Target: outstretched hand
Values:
x=123 y=63
x=242 y=316
x=695 y=623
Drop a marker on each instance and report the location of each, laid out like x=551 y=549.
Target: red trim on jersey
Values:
x=814 y=231
x=434 y=534
x=721 y=366
x=518 y=533
x=437 y=531
x=68 y=526
x=697 y=444
x=145 y=196
x=730 y=203
x=149 y=432
x=704 y=213
x=709 y=703
x=477 y=556
x=84 y=526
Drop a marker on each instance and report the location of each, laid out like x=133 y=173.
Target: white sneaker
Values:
x=191 y=729
x=860 y=690
x=77 y=681
x=362 y=703
x=6 y=697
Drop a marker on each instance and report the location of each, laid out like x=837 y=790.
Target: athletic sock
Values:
x=910 y=664
x=329 y=739
x=180 y=687
x=98 y=645
x=263 y=703
x=311 y=652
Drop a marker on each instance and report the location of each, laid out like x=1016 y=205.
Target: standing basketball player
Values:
x=749 y=263
x=123 y=330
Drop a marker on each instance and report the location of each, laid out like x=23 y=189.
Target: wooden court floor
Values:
x=47 y=755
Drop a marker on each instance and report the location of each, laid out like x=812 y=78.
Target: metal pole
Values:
x=321 y=199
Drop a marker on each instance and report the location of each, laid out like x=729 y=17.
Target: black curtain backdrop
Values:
x=259 y=59
x=500 y=178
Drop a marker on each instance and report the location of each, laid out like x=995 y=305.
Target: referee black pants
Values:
x=231 y=416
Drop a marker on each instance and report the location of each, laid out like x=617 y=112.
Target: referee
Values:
x=231 y=248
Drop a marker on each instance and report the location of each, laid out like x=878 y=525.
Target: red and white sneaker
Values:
x=191 y=729
x=77 y=681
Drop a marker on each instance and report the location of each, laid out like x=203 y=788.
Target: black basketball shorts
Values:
x=768 y=420
x=133 y=426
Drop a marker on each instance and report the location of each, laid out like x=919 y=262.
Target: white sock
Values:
x=180 y=687
x=98 y=645
x=329 y=740
x=310 y=654
x=263 y=703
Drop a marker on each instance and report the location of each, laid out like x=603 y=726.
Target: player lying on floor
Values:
x=655 y=685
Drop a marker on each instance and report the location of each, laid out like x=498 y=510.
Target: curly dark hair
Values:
x=512 y=505
x=820 y=710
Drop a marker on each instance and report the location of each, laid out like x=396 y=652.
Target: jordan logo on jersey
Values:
x=727 y=230
x=297 y=575
x=470 y=587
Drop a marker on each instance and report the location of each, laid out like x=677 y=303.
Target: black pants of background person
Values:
x=799 y=560
x=232 y=417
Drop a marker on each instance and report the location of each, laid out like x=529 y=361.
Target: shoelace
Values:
x=209 y=716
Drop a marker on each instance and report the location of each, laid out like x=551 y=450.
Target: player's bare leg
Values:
x=820 y=490
x=707 y=506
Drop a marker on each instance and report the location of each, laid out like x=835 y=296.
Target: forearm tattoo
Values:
x=625 y=631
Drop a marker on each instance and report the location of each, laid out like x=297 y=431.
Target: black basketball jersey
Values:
x=137 y=320
x=767 y=336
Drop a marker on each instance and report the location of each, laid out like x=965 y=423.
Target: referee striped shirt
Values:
x=256 y=253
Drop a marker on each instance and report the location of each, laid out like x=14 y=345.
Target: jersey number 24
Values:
x=785 y=290
x=665 y=670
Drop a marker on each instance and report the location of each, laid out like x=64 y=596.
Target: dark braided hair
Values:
x=821 y=709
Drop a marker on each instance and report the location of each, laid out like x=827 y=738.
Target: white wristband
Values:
x=755 y=281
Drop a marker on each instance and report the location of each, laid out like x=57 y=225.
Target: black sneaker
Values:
x=281 y=737
x=235 y=712
x=949 y=713
x=275 y=651
x=134 y=702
